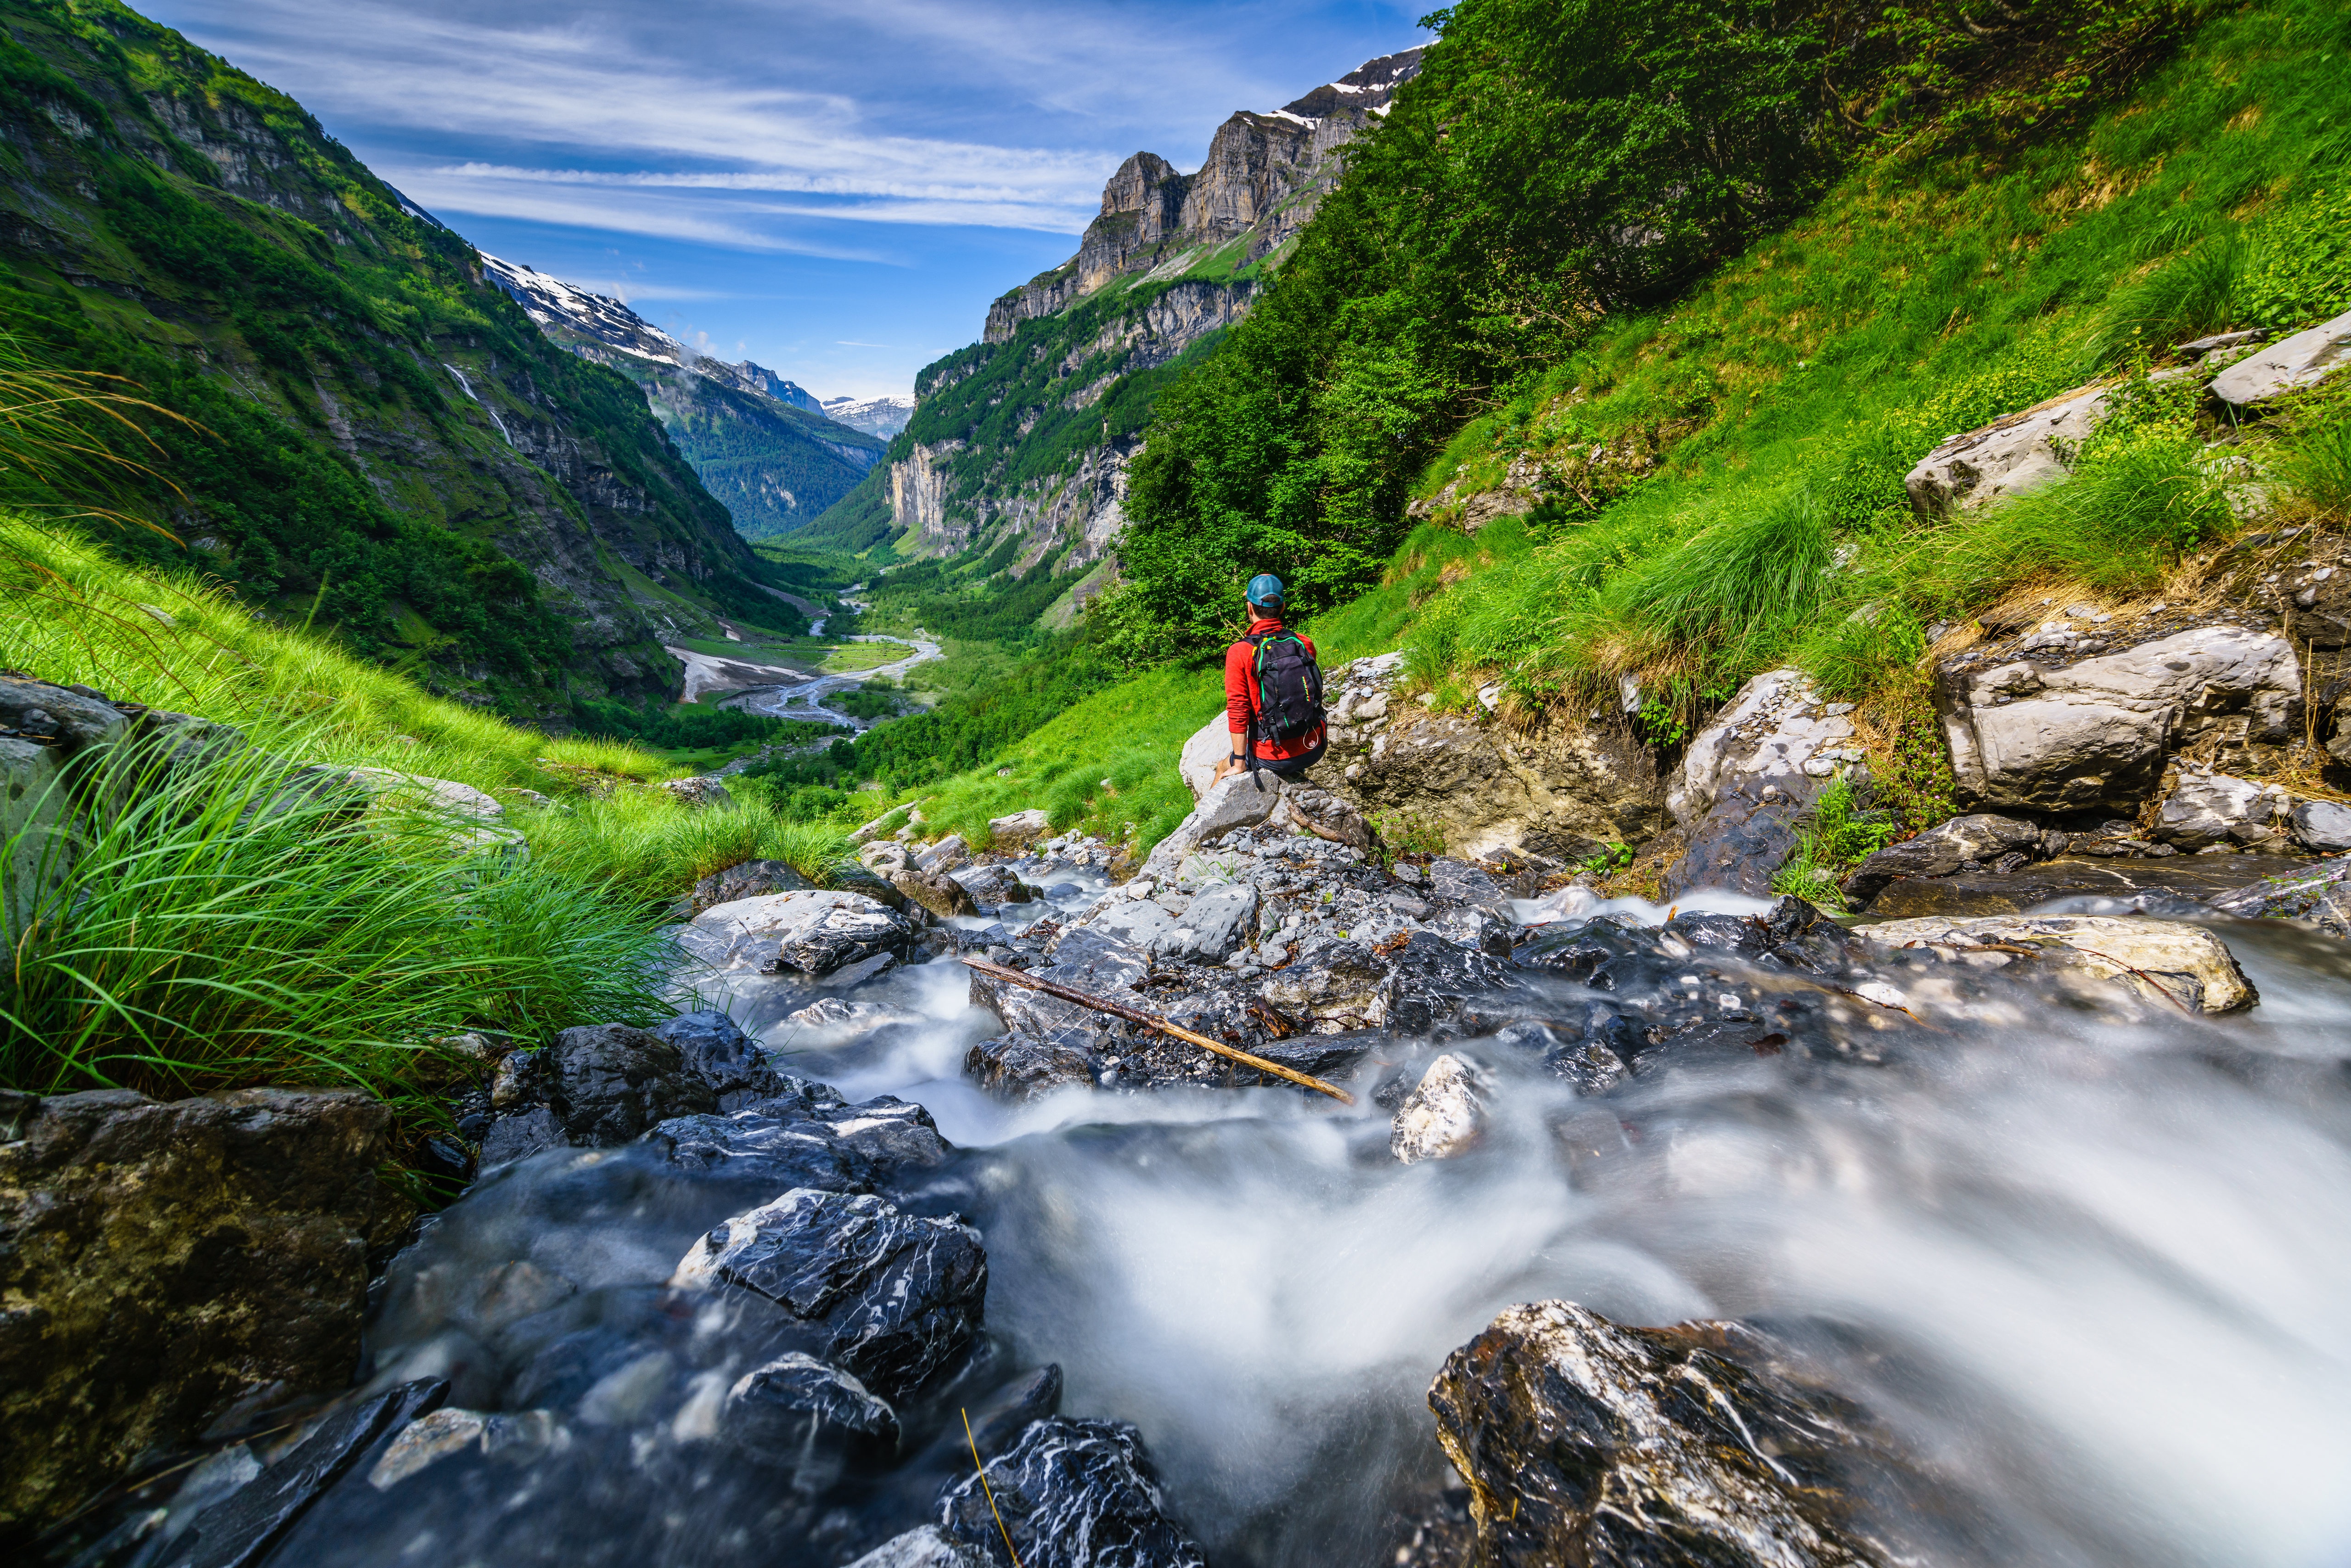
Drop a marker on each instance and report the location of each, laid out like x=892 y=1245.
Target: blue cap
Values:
x=1265 y=589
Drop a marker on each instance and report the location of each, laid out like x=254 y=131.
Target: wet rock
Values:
x=899 y=1297
x=161 y=1261
x=608 y=1083
x=1319 y=1055
x=942 y=895
x=1071 y=1494
x=2163 y=961
x=1457 y=882
x=1001 y=1421
x=2304 y=360
x=1443 y=1115
x=2216 y=809
x=796 y=1412
x=1587 y=1442
x=1085 y=960
x=1020 y=829
x=1942 y=850
x=993 y=886
x=890 y=1131
x=1747 y=780
x=242 y=1529
x=926 y=1548
x=752 y=878
x=2094 y=732
x=814 y=932
x=1019 y=1066
x=738 y=1068
x=2323 y=826
x=856 y=879
x=2320 y=895
x=773 y=1152
x=1429 y=978
x=2013 y=455
x=1343 y=986
x=1474 y=927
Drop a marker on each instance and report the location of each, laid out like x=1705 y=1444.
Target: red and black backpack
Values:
x=1289 y=687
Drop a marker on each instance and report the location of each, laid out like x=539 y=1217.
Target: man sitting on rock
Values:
x=1273 y=692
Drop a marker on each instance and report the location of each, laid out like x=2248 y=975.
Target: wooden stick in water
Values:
x=1136 y=1015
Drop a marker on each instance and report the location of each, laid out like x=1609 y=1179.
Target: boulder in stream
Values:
x=898 y=1297
x=1587 y=1442
x=2163 y=961
x=1071 y=1494
x=814 y=932
x=1022 y=1066
x=1980 y=839
x=2320 y=896
x=1443 y=1115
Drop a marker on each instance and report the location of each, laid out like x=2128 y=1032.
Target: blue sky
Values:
x=835 y=188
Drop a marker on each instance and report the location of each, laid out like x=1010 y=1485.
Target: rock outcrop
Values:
x=163 y=1261
x=1586 y=1441
x=2302 y=360
x=814 y=932
x=1747 y=777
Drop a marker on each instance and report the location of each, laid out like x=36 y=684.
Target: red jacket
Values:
x=1240 y=699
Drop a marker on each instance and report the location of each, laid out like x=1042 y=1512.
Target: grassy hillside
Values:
x=1719 y=479
x=372 y=438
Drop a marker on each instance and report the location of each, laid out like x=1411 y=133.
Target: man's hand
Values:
x=1224 y=770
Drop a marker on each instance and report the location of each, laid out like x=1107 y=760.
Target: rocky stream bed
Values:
x=1719 y=1234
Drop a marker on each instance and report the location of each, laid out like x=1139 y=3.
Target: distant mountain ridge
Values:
x=881 y=416
x=1023 y=439
x=763 y=445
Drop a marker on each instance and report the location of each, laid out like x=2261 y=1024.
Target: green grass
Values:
x=641 y=847
x=1725 y=479
x=233 y=923
x=850 y=658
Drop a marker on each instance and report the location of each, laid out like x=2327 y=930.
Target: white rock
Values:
x=2096 y=732
x=2301 y=361
x=1242 y=800
x=923 y=1548
x=1444 y=1115
x=703 y=790
x=755 y=933
x=2011 y=457
x=2216 y=807
x=2163 y=961
x=946 y=855
x=2323 y=826
x=1018 y=829
x=1209 y=744
x=1763 y=739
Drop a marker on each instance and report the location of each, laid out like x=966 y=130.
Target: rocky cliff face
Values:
x=1264 y=175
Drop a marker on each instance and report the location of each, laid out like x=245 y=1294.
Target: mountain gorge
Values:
x=361 y=428
x=1023 y=439
x=764 y=446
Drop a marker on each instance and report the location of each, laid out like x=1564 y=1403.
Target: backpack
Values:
x=1289 y=687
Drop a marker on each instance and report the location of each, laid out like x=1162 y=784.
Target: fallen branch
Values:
x=1136 y=1015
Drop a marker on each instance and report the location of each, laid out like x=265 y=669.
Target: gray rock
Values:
x=518 y=1134
x=71 y=721
x=2320 y=896
x=2013 y=455
x=1139 y=923
x=36 y=824
x=2304 y=360
x=751 y=879
x=2094 y=732
x=1748 y=776
x=2163 y=961
x=943 y=856
x=1203 y=752
x=1020 y=829
x=798 y=1413
x=1088 y=960
x=2322 y=825
x=1218 y=921
x=942 y=894
x=1020 y=1066
x=2216 y=809
x=1942 y=850
x=1071 y=1494
x=899 y=1297
x=701 y=792
x=1242 y=800
x=815 y=932
x=993 y=886
x=609 y=1083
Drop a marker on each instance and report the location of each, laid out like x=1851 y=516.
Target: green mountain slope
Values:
x=387 y=445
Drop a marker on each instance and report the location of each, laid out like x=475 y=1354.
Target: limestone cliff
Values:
x=1262 y=179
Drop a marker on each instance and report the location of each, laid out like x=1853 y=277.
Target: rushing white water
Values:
x=2100 y=1270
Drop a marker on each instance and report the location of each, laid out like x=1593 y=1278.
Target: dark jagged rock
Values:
x=609 y=1083
x=58 y=716
x=899 y=1297
x=1429 y=978
x=159 y=1261
x=796 y=1411
x=1585 y=1441
x=2320 y=896
x=1083 y=961
x=1019 y=1066
x=739 y=1069
x=242 y=1529
x=1318 y=1055
x=1071 y=1494
x=751 y=1147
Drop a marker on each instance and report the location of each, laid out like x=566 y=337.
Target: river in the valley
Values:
x=2091 y=1268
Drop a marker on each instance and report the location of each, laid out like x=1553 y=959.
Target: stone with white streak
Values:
x=2207 y=809
x=923 y=1548
x=816 y=930
x=2094 y=732
x=1747 y=777
x=2162 y=960
x=2304 y=360
x=1443 y=1115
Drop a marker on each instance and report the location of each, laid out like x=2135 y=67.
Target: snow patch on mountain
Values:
x=881 y=416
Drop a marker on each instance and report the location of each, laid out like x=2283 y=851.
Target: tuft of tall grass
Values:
x=239 y=921
x=2315 y=466
x=642 y=847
